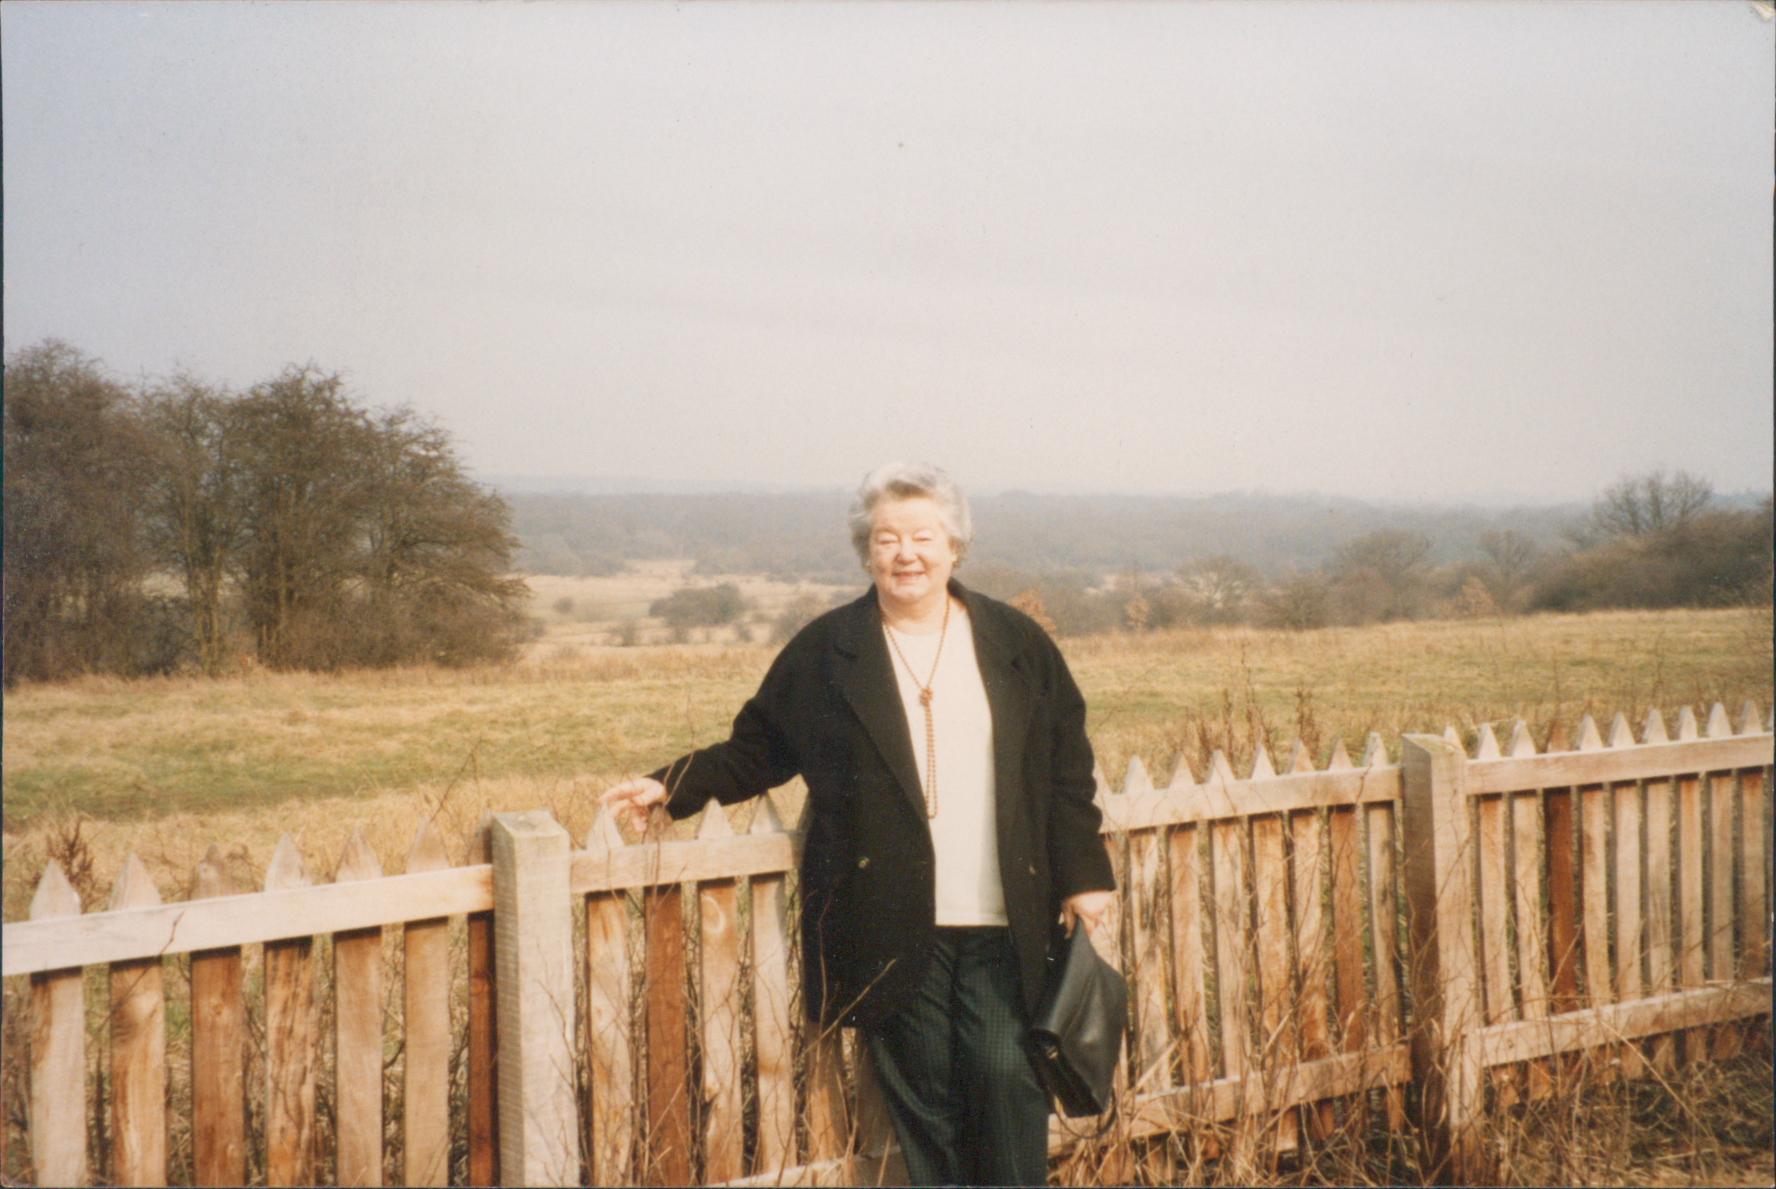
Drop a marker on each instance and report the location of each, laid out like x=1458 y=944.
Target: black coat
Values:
x=830 y=710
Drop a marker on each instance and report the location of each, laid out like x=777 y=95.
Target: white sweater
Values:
x=964 y=834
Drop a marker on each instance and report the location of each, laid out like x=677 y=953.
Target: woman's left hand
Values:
x=1098 y=911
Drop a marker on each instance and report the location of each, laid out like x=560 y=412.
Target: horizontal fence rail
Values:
x=1304 y=947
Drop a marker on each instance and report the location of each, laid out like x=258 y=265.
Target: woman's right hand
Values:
x=637 y=798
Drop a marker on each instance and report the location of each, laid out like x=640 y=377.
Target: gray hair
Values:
x=905 y=481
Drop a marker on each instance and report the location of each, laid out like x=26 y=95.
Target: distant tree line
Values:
x=788 y=536
x=1651 y=541
x=801 y=535
x=1094 y=564
x=175 y=524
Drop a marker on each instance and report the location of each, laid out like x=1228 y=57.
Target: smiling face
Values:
x=910 y=555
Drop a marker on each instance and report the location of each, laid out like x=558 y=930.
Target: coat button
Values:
x=863 y=862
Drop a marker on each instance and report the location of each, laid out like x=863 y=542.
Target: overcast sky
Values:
x=1402 y=251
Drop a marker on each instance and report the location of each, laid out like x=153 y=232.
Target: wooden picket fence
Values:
x=1413 y=942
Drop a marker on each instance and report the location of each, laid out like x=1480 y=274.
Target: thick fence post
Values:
x=1439 y=894
x=533 y=921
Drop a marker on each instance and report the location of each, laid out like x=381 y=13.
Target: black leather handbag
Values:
x=1076 y=1039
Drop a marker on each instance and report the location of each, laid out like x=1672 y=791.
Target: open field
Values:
x=579 y=613
x=168 y=766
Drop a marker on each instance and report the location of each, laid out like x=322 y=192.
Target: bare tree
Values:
x=437 y=551
x=1510 y=560
x=74 y=557
x=306 y=450
x=198 y=515
x=1300 y=602
x=1382 y=574
x=337 y=535
x=1644 y=506
x=1217 y=589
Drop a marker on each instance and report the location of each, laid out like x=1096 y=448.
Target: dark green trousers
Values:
x=966 y=1104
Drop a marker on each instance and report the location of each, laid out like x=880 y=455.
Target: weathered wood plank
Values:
x=1389 y=1006
x=668 y=1154
x=533 y=946
x=1691 y=952
x=1217 y=799
x=1495 y=934
x=1532 y=946
x=1218 y=1101
x=483 y=1024
x=425 y=1082
x=218 y=1048
x=1145 y=896
x=774 y=1024
x=1532 y=933
x=289 y=1038
x=611 y=1033
x=1151 y=1058
x=1595 y=814
x=687 y=860
x=1445 y=978
x=1495 y=913
x=1118 y=1165
x=138 y=1049
x=58 y=1050
x=1187 y=954
x=1657 y=889
x=1279 y=1041
x=1630 y=934
x=1231 y=915
x=1563 y=897
x=1721 y=902
x=1598 y=1026
x=226 y=921
x=1614 y=765
x=1345 y=828
x=357 y=1030
x=1692 y=852
x=1754 y=896
x=1308 y=836
x=721 y=1010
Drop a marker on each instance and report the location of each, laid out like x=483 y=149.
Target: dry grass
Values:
x=1173 y=695
x=97 y=768
x=169 y=766
x=581 y=614
x=1703 y=1124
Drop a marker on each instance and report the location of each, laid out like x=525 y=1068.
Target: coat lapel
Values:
x=1009 y=696
x=866 y=676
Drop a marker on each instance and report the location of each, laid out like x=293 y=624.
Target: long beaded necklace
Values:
x=927 y=689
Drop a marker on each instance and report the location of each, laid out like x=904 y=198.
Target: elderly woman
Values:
x=950 y=825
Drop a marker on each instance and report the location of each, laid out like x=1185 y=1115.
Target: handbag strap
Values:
x=1103 y=1125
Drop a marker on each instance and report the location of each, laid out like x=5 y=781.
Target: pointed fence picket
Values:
x=138 y=1049
x=218 y=1047
x=290 y=1019
x=1602 y=907
x=357 y=1031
